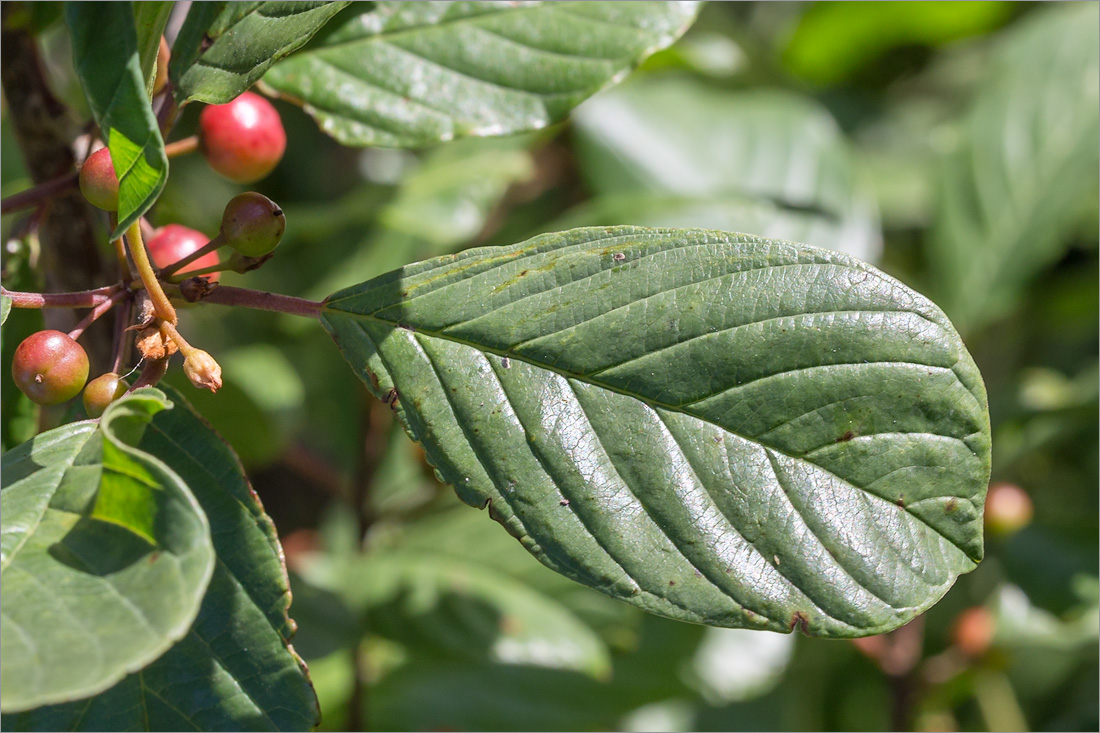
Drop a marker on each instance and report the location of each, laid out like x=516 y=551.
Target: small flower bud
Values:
x=203 y=371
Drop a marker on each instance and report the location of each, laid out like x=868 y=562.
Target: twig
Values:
x=81 y=299
x=38 y=194
x=161 y=305
x=260 y=300
x=182 y=147
x=96 y=312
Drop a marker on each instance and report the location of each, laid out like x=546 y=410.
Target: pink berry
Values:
x=173 y=242
x=98 y=181
x=1008 y=509
x=243 y=140
x=49 y=367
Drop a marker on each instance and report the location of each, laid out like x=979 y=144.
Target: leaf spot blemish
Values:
x=672 y=582
x=800 y=621
x=951 y=505
x=848 y=435
x=776 y=559
x=618 y=256
x=506 y=362
x=564 y=502
x=901 y=501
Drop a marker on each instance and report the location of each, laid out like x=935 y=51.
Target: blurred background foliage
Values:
x=952 y=144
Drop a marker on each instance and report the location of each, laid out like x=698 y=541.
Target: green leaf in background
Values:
x=149 y=21
x=440 y=606
x=410 y=74
x=5 y=308
x=1025 y=164
x=833 y=40
x=223 y=48
x=440 y=205
x=716 y=428
x=106 y=556
x=234 y=670
x=105 y=54
x=675 y=152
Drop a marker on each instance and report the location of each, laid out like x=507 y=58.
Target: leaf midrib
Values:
x=652 y=403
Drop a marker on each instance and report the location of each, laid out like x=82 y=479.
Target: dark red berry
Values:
x=173 y=242
x=49 y=367
x=252 y=224
x=98 y=181
x=243 y=140
x=101 y=392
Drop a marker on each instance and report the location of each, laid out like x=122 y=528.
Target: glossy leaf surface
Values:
x=240 y=672
x=106 y=556
x=111 y=76
x=223 y=48
x=1025 y=164
x=716 y=428
x=410 y=74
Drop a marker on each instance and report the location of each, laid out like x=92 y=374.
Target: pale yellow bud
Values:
x=203 y=371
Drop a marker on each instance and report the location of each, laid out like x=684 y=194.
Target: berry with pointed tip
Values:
x=102 y=391
x=252 y=224
x=243 y=140
x=173 y=242
x=49 y=367
x=98 y=181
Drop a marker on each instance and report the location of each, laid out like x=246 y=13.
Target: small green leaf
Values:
x=1024 y=165
x=223 y=48
x=410 y=74
x=105 y=54
x=713 y=427
x=239 y=670
x=105 y=557
x=149 y=21
x=5 y=309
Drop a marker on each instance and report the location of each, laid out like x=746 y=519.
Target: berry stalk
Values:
x=97 y=312
x=206 y=249
x=161 y=305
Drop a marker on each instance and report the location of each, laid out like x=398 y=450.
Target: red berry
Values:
x=49 y=367
x=252 y=224
x=973 y=631
x=98 y=181
x=243 y=140
x=101 y=392
x=1008 y=509
x=173 y=242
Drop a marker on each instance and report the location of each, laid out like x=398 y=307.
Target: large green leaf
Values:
x=105 y=557
x=764 y=161
x=1025 y=163
x=234 y=670
x=105 y=54
x=223 y=48
x=409 y=74
x=717 y=428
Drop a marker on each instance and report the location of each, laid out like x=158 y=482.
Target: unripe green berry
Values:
x=49 y=367
x=98 y=181
x=101 y=392
x=252 y=224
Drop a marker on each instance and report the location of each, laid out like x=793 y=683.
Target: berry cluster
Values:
x=243 y=141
